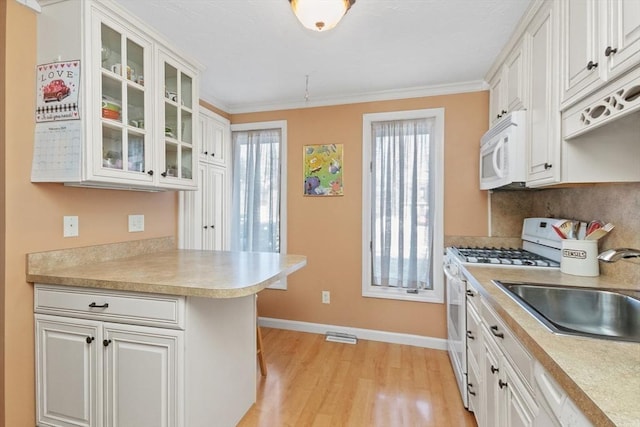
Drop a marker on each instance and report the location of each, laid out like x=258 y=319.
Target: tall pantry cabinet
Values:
x=204 y=214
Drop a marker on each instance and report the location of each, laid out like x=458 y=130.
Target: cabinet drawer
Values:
x=473 y=296
x=509 y=345
x=114 y=306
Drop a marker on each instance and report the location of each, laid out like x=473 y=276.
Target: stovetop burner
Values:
x=503 y=256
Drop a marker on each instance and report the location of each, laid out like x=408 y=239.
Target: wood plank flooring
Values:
x=316 y=383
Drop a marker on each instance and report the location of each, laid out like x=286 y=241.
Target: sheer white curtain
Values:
x=401 y=200
x=256 y=190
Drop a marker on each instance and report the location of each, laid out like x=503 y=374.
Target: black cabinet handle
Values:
x=494 y=369
x=106 y=343
x=609 y=51
x=470 y=335
x=90 y=340
x=94 y=305
x=501 y=384
x=164 y=174
x=150 y=173
x=494 y=331
x=591 y=65
x=470 y=293
x=547 y=166
x=469 y=388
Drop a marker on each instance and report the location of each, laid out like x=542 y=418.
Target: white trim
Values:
x=362 y=334
x=32 y=4
x=383 y=95
x=282 y=125
x=436 y=295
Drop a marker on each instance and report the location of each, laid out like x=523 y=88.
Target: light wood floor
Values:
x=313 y=383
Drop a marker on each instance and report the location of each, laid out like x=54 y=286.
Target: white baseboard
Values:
x=363 y=334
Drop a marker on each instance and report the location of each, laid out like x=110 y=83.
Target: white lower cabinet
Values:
x=89 y=370
x=124 y=359
x=508 y=388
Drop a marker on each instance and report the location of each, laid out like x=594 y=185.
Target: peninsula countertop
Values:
x=156 y=266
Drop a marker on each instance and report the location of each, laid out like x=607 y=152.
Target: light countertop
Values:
x=155 y=266
x=602 y=377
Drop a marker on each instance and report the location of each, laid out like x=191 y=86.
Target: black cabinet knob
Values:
x=106 y=343
x=164 y=174
x=205 y=227
x=206 y=152
x=503 y=112
x=90 y=340
x=470 y=335
x=470 y=293
x=547 y=166
x=502 y=384
x=213 y=154
x=610 y=51
x=499 y=116
x=494 y=369
x=591 y=65
x=150 y=173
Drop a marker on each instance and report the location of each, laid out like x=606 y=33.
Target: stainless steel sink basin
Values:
x=608 y=314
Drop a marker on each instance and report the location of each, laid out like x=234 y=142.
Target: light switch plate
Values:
x=136 y=223
x=70 y=226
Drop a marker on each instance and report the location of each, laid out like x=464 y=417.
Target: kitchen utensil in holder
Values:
x=579 y=257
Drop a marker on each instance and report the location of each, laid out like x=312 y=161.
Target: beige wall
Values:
x=34 y=212
x=328 y=230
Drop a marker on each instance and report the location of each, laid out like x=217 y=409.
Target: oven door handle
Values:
x=449 y=275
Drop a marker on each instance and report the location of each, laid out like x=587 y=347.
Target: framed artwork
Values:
x=323 y=170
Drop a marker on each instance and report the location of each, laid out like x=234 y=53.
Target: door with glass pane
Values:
x=178 y=108
x=123 y=128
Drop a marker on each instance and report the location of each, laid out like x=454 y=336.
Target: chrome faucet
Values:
x=613 y=255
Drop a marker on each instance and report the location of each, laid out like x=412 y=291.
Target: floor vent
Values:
x=341 y=337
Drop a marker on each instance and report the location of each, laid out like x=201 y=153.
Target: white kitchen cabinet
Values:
x=67 y=375
x=92 y=372
x=507 y=88
x=87 y=370
x=116 y=358
x=600 y=42
x=126 y=70
x=543 y=114
x=204 y=214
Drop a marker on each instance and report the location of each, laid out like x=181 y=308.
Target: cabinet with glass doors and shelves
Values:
x=137 y=98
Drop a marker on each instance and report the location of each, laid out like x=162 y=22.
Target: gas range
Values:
x=503 y=257
x=541 y=249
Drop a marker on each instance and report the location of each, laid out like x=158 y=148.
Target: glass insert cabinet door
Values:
x=178 y=106
x=125 y=121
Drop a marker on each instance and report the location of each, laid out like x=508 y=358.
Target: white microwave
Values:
x=503 y=154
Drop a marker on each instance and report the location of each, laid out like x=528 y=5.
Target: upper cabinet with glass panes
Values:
x=137 y=100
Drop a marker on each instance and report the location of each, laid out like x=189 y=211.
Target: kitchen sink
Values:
x=588 y=312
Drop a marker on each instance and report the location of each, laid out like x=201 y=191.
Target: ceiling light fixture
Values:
x=320 y=15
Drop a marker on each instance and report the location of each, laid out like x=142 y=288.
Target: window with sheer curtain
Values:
x=258 y=197
x=402 y=200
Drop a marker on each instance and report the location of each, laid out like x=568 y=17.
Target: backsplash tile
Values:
x=618 y=204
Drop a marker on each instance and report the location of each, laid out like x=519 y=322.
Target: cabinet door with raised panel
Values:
x=496 y=102
x=514 y=78
x=67 y=377
x=491 y=372
x=580 y=67
x=623 y=38
x=543 y=114
x=213 y=207
x=519 y=407
x=143 y=376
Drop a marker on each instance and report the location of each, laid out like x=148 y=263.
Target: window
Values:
x=259 y=194
x=402 y=203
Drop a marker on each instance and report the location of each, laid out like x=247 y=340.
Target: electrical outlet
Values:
x=136 y=223
x=70 y=226
x=326 y=297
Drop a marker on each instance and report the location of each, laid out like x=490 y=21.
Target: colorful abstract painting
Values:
x=323 y=170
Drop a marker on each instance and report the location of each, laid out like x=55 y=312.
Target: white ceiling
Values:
x=256 y=54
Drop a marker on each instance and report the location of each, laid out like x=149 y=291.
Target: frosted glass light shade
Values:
x=320 y=15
